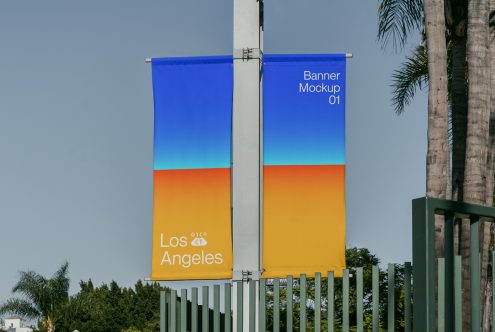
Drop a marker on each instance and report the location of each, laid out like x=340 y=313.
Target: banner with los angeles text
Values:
x=192 y=236
x=304 y=164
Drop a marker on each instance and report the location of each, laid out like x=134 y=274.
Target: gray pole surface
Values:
x=247 y=151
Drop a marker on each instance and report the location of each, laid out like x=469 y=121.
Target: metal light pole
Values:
x=247 y=150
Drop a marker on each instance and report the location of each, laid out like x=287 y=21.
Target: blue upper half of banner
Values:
x=193 y=112
x=304 y=109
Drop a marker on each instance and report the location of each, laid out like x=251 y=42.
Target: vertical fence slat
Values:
x=475 y=275
x=391 y=297
x=262 y=308
x=449 y=271
x=458 y=293
x=216 y=308
x=345 y=301
x=407 y=297
x=331 y=302
x=441 y=295
x=290 y=306
x=163 y=313
x=423 y=215
x=228 y=307
x=359 y=299
x=252 y=305
x=194 y=309
x=173 y=311
x=205 y=312
x=302 y=304
x=317 y=302
x=375 y=297
x=276 y=305
x=183 y=310
x=168 y=310
x=240 y=302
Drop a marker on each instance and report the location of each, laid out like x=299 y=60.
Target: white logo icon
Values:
x=199 y=240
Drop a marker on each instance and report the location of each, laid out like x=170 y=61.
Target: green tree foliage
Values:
x=110 y=307
x=355 y=257
x=43 y=299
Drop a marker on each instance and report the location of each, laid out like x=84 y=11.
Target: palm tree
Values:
x=491 y=151
x=437 y=159
x=41 y=298
x=413 y=74
x=478 y=116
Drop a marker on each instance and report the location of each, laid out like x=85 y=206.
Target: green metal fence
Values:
x=447 y=282
x=280 y=306
x=291 y=304
x=325 y=303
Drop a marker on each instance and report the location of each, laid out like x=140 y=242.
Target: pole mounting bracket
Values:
x=245 y=275
x=246 y=54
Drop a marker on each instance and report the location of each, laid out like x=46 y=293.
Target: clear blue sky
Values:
x=76 y=120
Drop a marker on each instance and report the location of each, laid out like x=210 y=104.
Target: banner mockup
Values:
x=192 y=236
x=304 y=164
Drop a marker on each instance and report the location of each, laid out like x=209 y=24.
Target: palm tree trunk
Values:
x=478 y=114
x=437 y=160
x=487 y=241
x=50 y=325
x=459 y=115
x=490 y=169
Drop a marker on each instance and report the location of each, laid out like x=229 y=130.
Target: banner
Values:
x=192 y=236
x=304 y=164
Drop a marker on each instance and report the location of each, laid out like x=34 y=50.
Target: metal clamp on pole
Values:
x=247 y=53
x=246 y=275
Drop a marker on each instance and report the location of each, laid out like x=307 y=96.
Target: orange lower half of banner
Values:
x=192 y=225
x=303 y=220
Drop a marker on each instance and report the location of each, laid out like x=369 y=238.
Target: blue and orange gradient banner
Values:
x=192 y=236
x=304 y=164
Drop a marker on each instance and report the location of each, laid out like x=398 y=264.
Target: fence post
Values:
x=228 y=307
x=183 y=310
x=262 y=307
x=407 y=297
x=302 y=304
x=449 y=270
x=276 y=305
x=359 y=299
x=239 y=306
x=458 y=293
x=375 y=298
x=391 y=297
x=424 y=265
x=216 y=308
x=173 y=311
x=252 y=305
x=194 y=309
x=475 y=274
x=206 y=309
x=441 y=295
x=345 y=301
x=290 y=285
x=330 y=303
x=318 y=302
x=163 y=313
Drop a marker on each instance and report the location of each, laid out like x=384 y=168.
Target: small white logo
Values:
x=198 y=239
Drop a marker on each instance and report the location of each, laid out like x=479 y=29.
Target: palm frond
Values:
x=412 y=74
x=60 y=282
x=33 y=287
x=20 y=307
x=396 y=19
